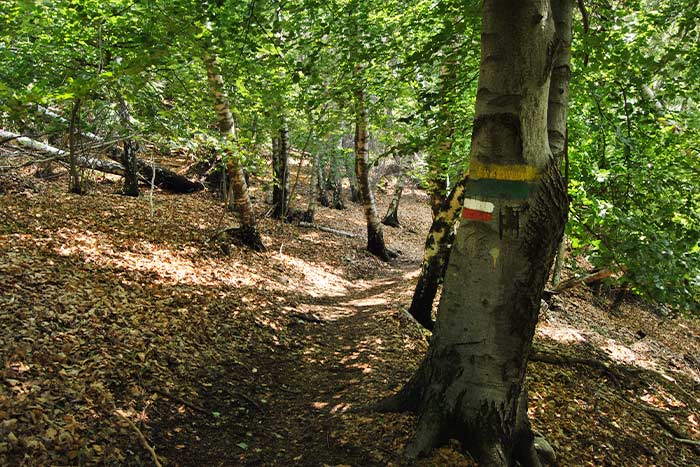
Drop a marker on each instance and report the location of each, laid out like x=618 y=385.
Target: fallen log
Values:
x=587 y=279
x=59 y=154
x=164 y=178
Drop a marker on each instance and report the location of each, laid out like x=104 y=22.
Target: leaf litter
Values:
x=132 y=340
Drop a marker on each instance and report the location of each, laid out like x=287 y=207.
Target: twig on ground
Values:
x=141 y=436
x=248 y=399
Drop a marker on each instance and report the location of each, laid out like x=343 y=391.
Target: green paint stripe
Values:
x=500 y=189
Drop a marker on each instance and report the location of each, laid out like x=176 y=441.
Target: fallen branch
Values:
x=587 y=279
x=327 y=229
x=142 y=438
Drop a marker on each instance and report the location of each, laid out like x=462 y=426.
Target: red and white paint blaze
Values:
x=477 y=210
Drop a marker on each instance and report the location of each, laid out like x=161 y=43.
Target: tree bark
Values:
x=128 y=155
x=236 y=178
x=470 y=384
x=280 y=171
x=74 y=182
x=437 y=248
x=392 y=213
x=375 y=236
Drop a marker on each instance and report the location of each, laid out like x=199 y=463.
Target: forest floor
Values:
x=129 y=335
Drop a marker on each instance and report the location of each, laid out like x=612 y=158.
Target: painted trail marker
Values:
x=477 y=210
x=497 y=183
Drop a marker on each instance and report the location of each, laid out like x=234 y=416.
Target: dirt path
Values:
x=293 y=401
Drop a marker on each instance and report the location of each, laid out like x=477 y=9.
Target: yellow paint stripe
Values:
x=517 y=172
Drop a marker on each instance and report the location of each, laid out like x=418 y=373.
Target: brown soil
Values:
x=219 y=356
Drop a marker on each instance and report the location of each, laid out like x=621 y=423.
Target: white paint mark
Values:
x=478 y=205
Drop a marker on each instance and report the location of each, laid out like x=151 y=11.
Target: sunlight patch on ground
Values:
x=319 y=283
x=376 y=300
x=619 y=352
x=170 y=266
x=561 y=333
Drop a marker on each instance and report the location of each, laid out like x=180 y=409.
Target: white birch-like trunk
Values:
x=375 y=235
x=236 y=178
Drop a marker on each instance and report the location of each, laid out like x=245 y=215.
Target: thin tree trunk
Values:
x=470 y=386
x=128 y=155
x=437 y=178
x=437 y=248
x=445 y=207
x=558 y=102
x=335 y=180
x=559 y=262
x=236 y=178
x=280 y=165
x=321 y=184
x=314 y=192
x=74 y=182
x=351 y=172
x=392 y=213
x=375 y=236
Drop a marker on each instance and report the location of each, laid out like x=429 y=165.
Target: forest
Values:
x=350 y=233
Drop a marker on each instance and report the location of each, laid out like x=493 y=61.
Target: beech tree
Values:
x=470 y=385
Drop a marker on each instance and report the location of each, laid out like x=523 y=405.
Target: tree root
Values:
x=248 y=236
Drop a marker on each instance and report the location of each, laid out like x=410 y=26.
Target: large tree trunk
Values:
x=436 y=251
x=236 y=178
x=280 y=171
x=375 y=236
x=470 y=384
